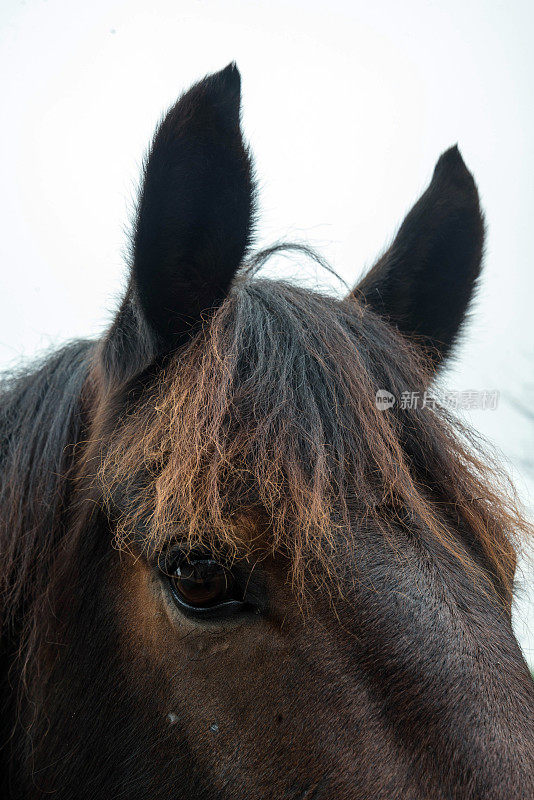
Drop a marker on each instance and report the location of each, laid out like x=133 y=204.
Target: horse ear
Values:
x=193 y=223
x=424 y=282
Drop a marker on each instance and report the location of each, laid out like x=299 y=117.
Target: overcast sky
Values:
x=347 y=106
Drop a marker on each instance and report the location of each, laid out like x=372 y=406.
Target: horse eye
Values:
x=203 y=583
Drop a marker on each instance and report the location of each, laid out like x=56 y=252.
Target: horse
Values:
x=228 y=570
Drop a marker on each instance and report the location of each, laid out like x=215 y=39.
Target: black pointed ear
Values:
x=193 y=222
x=424 y=282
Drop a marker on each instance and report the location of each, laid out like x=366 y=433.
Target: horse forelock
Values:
x=270 y=415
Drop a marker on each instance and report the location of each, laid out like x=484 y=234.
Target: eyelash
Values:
x=239 y=598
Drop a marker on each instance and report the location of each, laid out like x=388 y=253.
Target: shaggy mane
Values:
x=271 y=411
x=40 y=425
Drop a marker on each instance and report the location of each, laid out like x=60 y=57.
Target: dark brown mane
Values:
x=40 y=424
x=273 y=408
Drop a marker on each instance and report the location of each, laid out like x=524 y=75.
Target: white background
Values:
x=347 y=106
